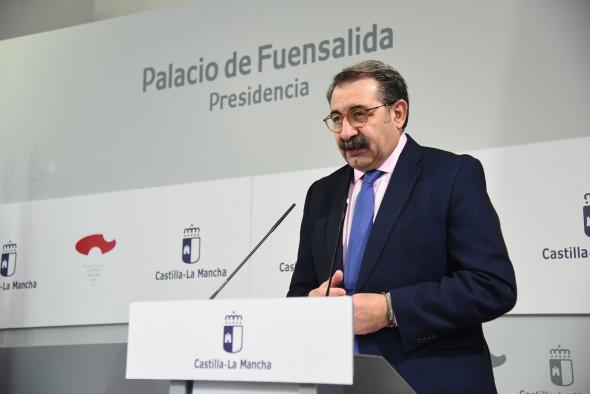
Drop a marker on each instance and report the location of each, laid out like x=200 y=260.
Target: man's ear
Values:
x=399 y=113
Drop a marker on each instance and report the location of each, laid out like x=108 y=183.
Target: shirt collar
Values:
x=389 y=163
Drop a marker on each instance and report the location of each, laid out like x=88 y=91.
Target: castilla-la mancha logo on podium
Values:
x=233 y=333
x=561 y=367
x=191 y=245
x=8 y=261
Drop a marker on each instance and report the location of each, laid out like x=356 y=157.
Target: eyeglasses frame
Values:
x=325 y=120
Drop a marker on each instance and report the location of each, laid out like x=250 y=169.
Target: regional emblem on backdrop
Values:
x=191 y=245
x=86 y=244
x=497 y=360
x=561 y=367
x=8 y=260
x=586 y=214
x=233 y=333
x=94 y=246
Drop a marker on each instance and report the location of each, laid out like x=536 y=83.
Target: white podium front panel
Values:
x=297 y=340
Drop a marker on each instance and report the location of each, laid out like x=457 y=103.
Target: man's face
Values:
x=380 y=132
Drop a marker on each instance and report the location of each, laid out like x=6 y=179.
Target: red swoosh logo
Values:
x=84 y=245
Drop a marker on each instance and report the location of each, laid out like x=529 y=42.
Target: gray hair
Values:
x=392 y=86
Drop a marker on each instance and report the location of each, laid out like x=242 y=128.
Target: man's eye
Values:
x=336 y=118
x=357 y=115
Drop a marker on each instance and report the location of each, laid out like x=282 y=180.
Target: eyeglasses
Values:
x=357 y=117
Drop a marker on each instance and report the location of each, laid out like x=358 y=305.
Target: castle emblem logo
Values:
x=233 y=333
x=586 y=214
x=561 y=367
x=191 y=245
x=8 y=260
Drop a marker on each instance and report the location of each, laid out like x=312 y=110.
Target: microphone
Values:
x=273 y=228
x=340 y=226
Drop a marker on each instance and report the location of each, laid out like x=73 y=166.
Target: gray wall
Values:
x=23 y=17
x=67 y=360
x=73 y=369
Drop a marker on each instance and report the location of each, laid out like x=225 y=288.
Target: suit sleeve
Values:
x=480 y=287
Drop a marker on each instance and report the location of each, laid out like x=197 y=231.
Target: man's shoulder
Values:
x=343 y=172
x=442 y=158
x=333 y=184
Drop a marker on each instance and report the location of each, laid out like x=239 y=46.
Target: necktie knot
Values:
x=371 y=176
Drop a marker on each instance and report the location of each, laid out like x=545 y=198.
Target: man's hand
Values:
x=370 y=309
x=370 y=312
x=335 y=289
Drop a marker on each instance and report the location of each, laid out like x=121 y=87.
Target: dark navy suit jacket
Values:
x=437 y=247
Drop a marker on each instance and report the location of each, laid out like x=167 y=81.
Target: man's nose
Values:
x=347 y=130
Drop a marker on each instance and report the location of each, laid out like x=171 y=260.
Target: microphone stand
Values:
x=252 y=252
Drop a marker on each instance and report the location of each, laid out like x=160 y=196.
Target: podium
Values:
x=293 y=345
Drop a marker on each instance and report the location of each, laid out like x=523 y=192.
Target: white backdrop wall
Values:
x=117 y=128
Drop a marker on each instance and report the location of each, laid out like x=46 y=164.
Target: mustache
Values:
x=356 y=142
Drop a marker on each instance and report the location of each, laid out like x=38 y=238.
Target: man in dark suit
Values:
x=430 y=265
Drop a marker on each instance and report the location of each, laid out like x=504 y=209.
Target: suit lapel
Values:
x=399 y=189
x=340 y=196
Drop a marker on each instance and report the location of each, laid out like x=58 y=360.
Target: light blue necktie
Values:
x=360 y=230
x=359 y=234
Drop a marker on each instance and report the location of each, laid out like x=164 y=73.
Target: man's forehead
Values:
x=357 y=93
